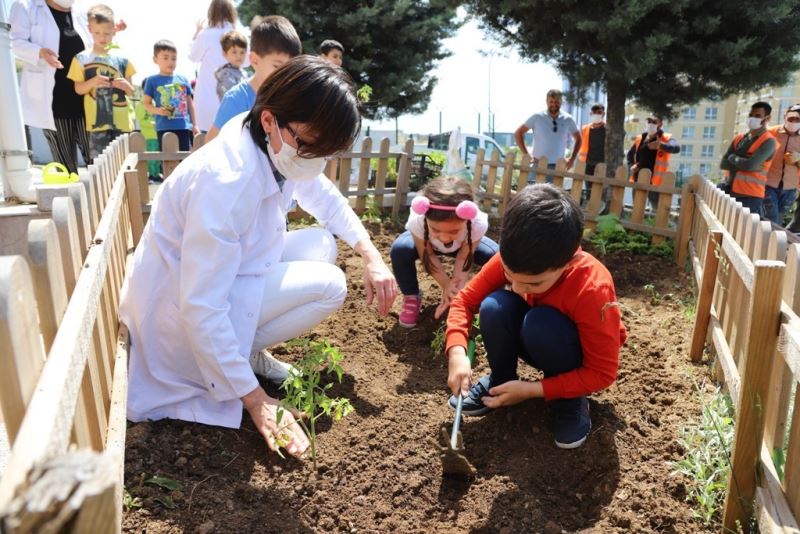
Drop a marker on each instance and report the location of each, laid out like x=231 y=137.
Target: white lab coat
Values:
x=33 y=28
x=196 y=287
x=207 y=50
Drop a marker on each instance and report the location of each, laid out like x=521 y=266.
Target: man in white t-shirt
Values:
x=551 y=128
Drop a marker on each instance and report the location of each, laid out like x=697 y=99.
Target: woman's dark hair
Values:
x=309 y=90
x=542 y=229
x=220 y=12
x=446 y=191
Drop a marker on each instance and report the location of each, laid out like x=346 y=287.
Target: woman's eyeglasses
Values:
x=300 y=142
x=555 y=125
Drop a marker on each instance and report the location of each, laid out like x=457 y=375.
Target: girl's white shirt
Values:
x=416 y=225
x=195 y=290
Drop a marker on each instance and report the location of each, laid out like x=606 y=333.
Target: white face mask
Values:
x=652 y=128
x=292 y=166
x=596 y=118
x=66 y=4
x=792 y=126
x=754 y=123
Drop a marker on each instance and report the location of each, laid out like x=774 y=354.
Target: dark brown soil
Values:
x=379 y=468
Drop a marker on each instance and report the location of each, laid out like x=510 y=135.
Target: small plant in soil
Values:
x=610 y=236
x=306 y=394
x=438 y=342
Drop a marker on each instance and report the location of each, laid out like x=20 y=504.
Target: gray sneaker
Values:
x=269 y=368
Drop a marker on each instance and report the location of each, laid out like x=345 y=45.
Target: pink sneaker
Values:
x=410 y=313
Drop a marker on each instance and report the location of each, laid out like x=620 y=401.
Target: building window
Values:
x=690 y=113
x=711 y=114
x=709 y=132
x=707 y=151
x=687 y=132
x=687 y=151
x=684 y=170
x=705 y=168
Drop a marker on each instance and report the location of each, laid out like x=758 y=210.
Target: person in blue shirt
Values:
x=273 y=42
x=168 y=96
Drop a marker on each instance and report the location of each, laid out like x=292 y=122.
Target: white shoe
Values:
x=268 y=367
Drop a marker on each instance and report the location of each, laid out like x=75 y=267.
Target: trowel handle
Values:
x=457 y=422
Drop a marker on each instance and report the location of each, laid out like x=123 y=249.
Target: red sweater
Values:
x=585 y=294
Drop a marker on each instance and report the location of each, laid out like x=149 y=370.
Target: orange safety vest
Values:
x=751 y=183
x=661 y=166
x=583 y=153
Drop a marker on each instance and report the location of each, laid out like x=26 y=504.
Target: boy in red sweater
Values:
x=546 y=301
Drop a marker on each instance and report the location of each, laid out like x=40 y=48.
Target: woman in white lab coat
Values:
x=45 y=36
x=217 y=278
x=207 y=51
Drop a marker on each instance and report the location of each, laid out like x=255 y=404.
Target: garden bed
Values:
x=379 y=467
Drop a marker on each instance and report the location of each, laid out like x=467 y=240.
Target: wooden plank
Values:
x=726 y=364
x=67 y=229
x=664 y=206
x=138 y=146
x=542 y=172
x=115 y=439
x=346 y=164
x=20 y=342
x=774 y=510
x=403 y=176
x=491 y=179
x=577 y=181
x=383 y=169
x=363 y=175
x=170 y=145
x=792 y=468
x=685 y=219
x=595 y=197
x=764 y=314
x=705 y=296
x=134 y=205
x=524 y=170
x=477 y=173
x=640 y=197
x=618 y=191
x=558 y=179
x=47 y=272
x=508 y=178
x=55 y=398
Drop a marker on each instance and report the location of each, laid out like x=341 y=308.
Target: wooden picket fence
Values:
x=747 y=313
x=495 y=182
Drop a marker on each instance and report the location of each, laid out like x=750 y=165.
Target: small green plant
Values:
x=609 y=236
x=372 y=213
x=437 y=345
x=129 y=501
x=655 y=298
x=306 y=394
x=707 y=459
x=169 y=485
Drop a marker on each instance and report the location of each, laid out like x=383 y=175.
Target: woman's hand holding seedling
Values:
x=264 y=411
x=459 y=370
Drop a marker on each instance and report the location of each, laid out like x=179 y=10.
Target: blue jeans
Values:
x=756 y=205
x=404 y=257
x=542 y=336
x=185 y=139
x=532 y=176
x=777 y=203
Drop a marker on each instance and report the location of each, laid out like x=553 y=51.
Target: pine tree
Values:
x=390 y=45
x=664 y=54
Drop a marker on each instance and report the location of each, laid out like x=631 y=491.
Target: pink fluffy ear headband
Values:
x=466 y=209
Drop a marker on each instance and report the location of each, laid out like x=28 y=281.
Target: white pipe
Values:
x=15 y=163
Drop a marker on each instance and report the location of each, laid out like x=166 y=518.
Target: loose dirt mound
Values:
x=380 y=470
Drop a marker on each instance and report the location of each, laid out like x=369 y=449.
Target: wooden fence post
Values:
x=686 y=219
x=138 y=144
x=134 y=205
x=403 y=174
x=169 y=145
x=618 y=191
x=595 y=196
x=577 y=182
x=663 y=208
x=477 y=174
x=764 y=314
x=491 y=180
x=508 y=177
x=47 y=270
x=383 y=169
x=706 y=295
x=363 y=175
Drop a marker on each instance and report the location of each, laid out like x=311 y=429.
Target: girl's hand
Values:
x=442 y=307
x=264 y=411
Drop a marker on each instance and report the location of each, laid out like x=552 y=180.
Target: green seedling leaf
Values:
x=166 y=483
x=166 y=501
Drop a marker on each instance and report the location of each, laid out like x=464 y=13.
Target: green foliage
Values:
x=707 y=459
x=166 y=483
x=372 y=214
x=364 y=93
x=662 y=54
x=390 y=46
x=130 y=502
x=610 y=236
x=438 y=342
x=305 y=393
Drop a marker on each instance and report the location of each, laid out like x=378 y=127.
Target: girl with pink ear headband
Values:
x=444 y=220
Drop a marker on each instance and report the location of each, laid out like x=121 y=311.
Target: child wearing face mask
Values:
x=444 y=220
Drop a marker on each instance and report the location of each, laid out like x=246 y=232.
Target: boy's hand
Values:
x=512 y=392
x=100 y=81
x=122 y=84
x=164 y=112
x=459 y=371
x=195 y=130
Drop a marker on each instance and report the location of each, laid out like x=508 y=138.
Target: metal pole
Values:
x=440 y=122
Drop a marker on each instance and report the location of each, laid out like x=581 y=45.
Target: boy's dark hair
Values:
x=272 y=34
x=100 y=14
x=598 y=107
x=446 y=191
x=762 y=105
x=220 y=12
x=231 y=39
x=330 y=44
x=309 y=90
x=162 y=45
x=542 y=229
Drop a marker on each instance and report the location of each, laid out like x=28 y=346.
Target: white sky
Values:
x=517 y=88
